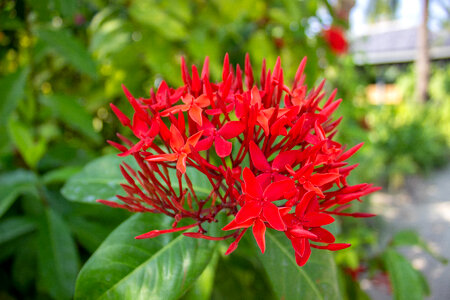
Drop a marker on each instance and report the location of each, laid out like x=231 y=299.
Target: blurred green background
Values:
x=63 y=61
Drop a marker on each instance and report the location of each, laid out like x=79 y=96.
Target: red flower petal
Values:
x=318 y=219
x=251 y=186
x=234 y=225
x=231 y=129
x=321 y=179
x=195 y=112
x=276 y=190
x=223 y=148
x=338 y=246
x=202 y=101
x=284 y=158
x=204 y=144
x=301 y=260
x=120 y=115
x=323 y=235
x=258 y=158
x=163 y=157
x=250 y=210
x=259 y=230
x=181 y=163
x=302 y=233
x=272 y=215
x=176 y=139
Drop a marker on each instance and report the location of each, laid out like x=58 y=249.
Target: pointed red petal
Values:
x=193 y=140
x=285 y=158
x=231 y=129
x=318 y=219
x=258 y=158
x=276 y=190
x=302 y=233
x=301 y=260
x=223 y=148
x=350 y=152
x=272 y=215
x=322 y=235
x=321 y=179
x=250 y=210
x=196 y=114
x=181 y=163
x=176 y=139
x=120 y=115
x=304 y=203
x=251 y=186
x=338 y=246
x=259 y=230
x=234 y=225
x=204 y=144
x=163 y=157
x=202 y=100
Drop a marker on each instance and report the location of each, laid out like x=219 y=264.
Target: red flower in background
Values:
x=266 y=149
x=335 y=37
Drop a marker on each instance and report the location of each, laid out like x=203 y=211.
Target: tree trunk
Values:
x=423 y=60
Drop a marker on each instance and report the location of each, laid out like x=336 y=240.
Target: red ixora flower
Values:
x=266 y=149
x=335 y=37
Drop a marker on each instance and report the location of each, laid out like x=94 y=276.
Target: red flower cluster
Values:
x=266 y=150
x=335 y=38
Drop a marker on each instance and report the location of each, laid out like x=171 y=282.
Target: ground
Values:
x=423 y=205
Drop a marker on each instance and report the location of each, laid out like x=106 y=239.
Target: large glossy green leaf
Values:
x=159 y=268
x=71 y=49
x=12 y=89
x=316 y=280
x=407 y=283
x=100 y=180
x=57 y=257
x=12 y=184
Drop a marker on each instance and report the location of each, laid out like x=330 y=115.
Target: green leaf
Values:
x=148 y=12
x=60 y=175
x=406 y=281
x=66 y=8
x=316 y=280
x=12 y=90
x=22 y=137
x=159 y=268
x=67 y=46
x=57 y=257
x=15 y=227
x=204 y=285
x=73 y=114
x=12 y=184
x=100 y=179
x=411 y=238
x=89 y=234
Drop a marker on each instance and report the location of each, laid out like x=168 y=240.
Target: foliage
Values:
x=62 y=61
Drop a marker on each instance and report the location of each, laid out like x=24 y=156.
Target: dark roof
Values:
x=391 y=44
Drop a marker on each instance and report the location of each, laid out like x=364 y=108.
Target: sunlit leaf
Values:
x=159 y=268
x=316 y=280
x=100 y=179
